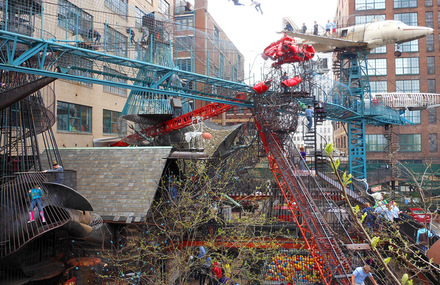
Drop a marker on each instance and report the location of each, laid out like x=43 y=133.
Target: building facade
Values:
x=414 y=71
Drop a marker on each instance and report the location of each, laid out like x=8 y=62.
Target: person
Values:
x=319 y=107
x=96 y=35
x=283 y=86
x=132 y=34
x=303 y=154
x=369 y=219
x=237 y=3
x=309 y=116
x=315 y=29
x=56 y=168
x=359 y=275
x=217 y=272
x=304 y=28
x=257 y=6
x=288 y=27
x=188 y=7
x=328 y=28
x=423 y=236
x=388 y=213
x=396 y=211
x=145 y=35
x=334 y=25
x=36 y=194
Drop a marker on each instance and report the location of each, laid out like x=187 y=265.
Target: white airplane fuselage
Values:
x=381 y=33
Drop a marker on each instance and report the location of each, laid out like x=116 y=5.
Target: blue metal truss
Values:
x=54 y=60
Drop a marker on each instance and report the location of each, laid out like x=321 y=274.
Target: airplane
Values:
x=360 y=37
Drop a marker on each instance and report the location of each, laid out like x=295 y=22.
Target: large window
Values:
x=183 y=43
x=410 y=142
x=375 y=142
x=110 y=121
x=407 y=18
x=408 y=86
x=74 y=19
x=164 y=8
x=118 y=6
x=432 y=116
x=382 y=49
x=413 y=116
x=377 y=67
x=222 y=66
x=73 y=117
x=369 y=4
x=80 y=66
x=407 y=65
x=429 y=19
x=116 y=42
x=412 y=46
x=430 y=43
x=114 y=76
x=430 y=63
x=433 y=145
x=359 y=20
x=428 y=3
x=139 y=14
x=184 y=64
x=405 y=3
x=431 y=86
x=185 y=22
x=379 y=86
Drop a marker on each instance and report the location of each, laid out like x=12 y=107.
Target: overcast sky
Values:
x=252 y=31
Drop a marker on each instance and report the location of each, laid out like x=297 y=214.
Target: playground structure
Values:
x=148 y=71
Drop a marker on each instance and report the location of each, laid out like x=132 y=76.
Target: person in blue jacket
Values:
x=35 y=195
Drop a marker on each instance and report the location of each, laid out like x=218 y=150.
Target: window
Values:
x=431 y=86
x=412 y=46
x=164 y=8
x=74 y=19
x=382 y=49
x=184 y=43
x=428 y=3
x=375 y=142
x=116 y=42
x=114 y=76
x=74 y=118
x=432 y=116
x=359 y=20
x=430 y=63
x=410 y=142
x=110 y=121
x=430 y=43
x=433 y=143
x=120 y=7
x=407 y=18
x=410 y=86
x=138 y=17
x=185 y=23
x=379 y=86
x=377 y=66
x=429 y=19
x=407 y=65
x=216 y=36
x=184 y=64
x=405 y=3
x=413 y=116
x=80 y=66
x=222 y=66
x=369 y=4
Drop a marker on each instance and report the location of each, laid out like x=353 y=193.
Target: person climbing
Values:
x=36 y=194
x=94 y=34
x=304 y=28
x=369 y=219
x=288 y=27
x=359 y=275
x=188 y=7
x=132 y=34
x=303 y=154
x=309 y=116
x=237 y=3
x=145 y=35
x=423 y=236
x=257 y=6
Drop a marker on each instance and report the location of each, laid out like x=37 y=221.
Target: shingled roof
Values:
x=119 y=182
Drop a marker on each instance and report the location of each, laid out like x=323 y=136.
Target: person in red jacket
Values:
x=217 y=271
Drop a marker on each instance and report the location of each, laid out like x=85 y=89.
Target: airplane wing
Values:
x=327 y=44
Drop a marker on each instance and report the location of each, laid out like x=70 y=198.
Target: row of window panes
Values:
x=114 y=76
x=407 y=142
x=118 y=6
x=380 y=4
x=403 y=66
x=78 y=118
x=412 y=86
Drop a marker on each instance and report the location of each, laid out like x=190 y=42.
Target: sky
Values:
x=252 y=32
